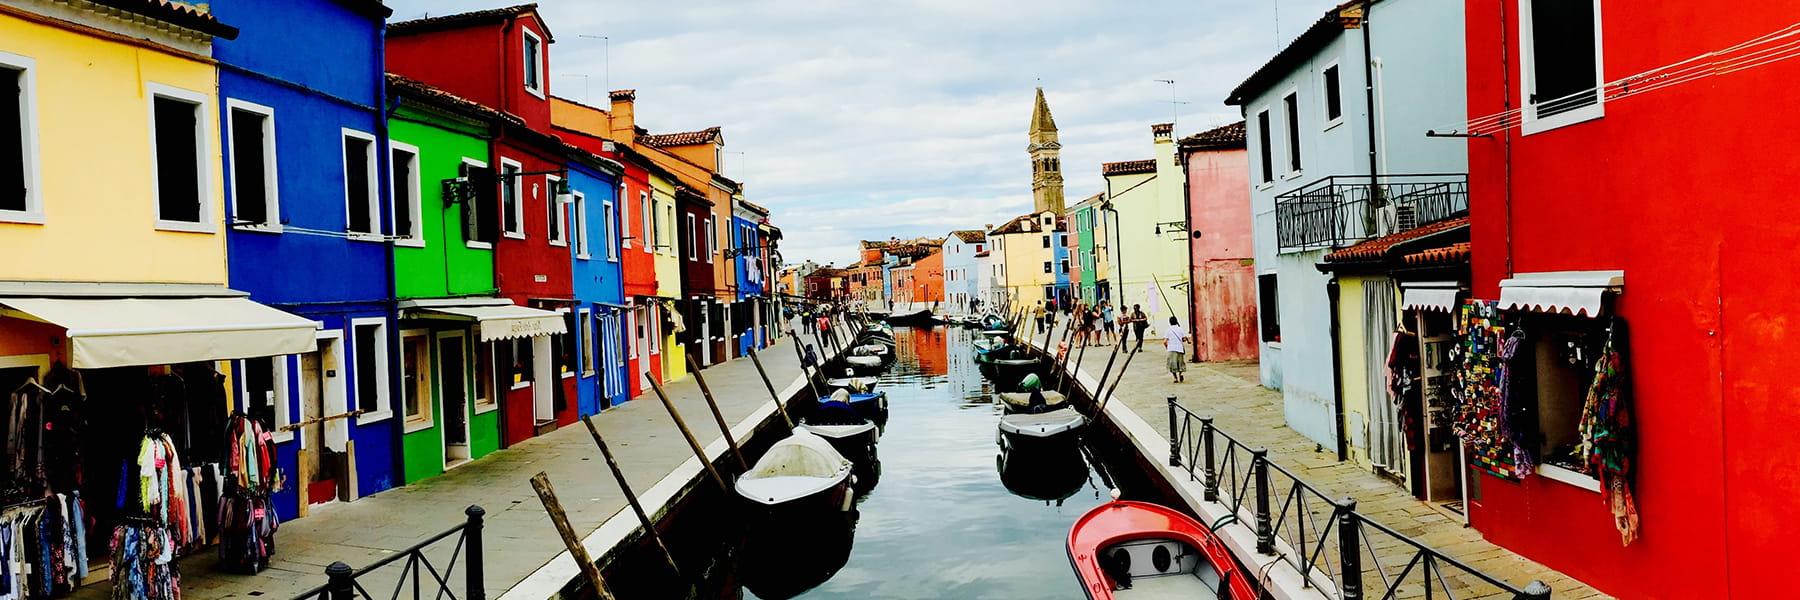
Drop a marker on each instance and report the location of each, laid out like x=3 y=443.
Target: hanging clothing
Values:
x=1608 y=434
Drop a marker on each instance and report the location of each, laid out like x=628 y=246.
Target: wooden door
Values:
x=453 y=386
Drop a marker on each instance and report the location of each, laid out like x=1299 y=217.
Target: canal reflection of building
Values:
x=1050 y=473
x=783 y=559
x=931 y=346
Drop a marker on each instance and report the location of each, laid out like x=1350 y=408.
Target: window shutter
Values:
x=481 y=211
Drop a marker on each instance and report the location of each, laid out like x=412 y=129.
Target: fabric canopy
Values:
x=503 y=321
x=1431 y=299
x=122 y=332
x=1578 y=293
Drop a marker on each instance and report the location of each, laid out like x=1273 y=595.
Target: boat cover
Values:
x=796 y=467
x=1042 y=424
x=863 y=361
x=1023 y=399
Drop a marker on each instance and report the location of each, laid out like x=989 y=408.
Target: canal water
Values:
x=945 y=515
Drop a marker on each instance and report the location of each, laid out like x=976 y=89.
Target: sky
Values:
x=854 y=120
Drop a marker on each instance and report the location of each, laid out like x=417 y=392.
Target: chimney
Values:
x=1162 y=131
x=624 y=116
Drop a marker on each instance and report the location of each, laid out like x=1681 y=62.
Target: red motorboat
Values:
x=1128 y=550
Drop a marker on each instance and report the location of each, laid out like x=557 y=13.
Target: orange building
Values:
x=928 y=277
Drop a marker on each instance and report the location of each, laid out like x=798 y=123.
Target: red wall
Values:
x=1683 y=189
x=1218 y=186
x=1225 y=310
x=928 y=278
x=465 y=62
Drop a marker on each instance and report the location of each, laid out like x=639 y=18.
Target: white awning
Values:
x=498 y=321
x=121 y=332
x=1432 y=299
x=1578 y=293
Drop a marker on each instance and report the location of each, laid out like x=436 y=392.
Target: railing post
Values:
x=1210 y=479
x=339 y=585
x=1350 y=551
x=1536 y=590
x=474 y=570
x=1174 y=435
x=1265 y=530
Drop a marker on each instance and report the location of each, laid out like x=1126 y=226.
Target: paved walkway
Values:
x=519 y=538
x=1232 y=395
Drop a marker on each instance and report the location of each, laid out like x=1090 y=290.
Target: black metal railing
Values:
x=418 y=573
x=1344 y=209
x=1325 y=539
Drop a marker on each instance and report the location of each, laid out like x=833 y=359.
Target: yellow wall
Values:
x=668 y=239
x=93 y=136
x=1025 y=255
x=1353 y=381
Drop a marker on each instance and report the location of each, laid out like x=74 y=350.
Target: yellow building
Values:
x=1028 y=265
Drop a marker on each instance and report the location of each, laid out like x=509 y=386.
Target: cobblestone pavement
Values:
x=518 y=536
x=1230 y=392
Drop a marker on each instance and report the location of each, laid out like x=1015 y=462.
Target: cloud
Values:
x=861 y=120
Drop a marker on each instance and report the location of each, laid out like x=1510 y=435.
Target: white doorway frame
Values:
x=443 y=414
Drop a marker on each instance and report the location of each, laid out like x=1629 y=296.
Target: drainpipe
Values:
x=1369 y=96
x=390 y=303
x=1337 y=369
x=1187 y=215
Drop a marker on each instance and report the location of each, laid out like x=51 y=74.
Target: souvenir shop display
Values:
x=1608 y=437
x=1481 y=389
x=246 y=520
x=154 y=522
x=43 y=552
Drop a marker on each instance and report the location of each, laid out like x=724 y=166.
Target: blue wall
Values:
x=318 y=66
x=1060 y=248
x=599 y=288
x=744 y=235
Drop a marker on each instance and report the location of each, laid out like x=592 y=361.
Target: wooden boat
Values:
x=851 y=433
x=1022 y=402
x=1126 y=550
x=802 y=473
x=858 y=365
x=992 y=322
x=915 y=318
x=853 y=383
x=1047 y=476
x=873 y=349
x=1007 y=367
x=1031 y=432
x=782 y=559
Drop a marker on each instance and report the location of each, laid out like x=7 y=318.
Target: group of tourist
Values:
x=1099 y=323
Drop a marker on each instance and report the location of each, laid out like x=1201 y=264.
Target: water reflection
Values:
x=1050 y=474
x=783 y=560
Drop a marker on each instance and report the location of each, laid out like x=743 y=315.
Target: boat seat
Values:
x=1162 y=568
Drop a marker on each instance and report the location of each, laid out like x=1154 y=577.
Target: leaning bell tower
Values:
x=1046 y=161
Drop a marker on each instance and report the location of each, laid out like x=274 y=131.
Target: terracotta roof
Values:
x=402 y=86
x=1454 y=254
x=459 y=20
x=970 y=236
x=1129 y=167
x=175 y=13
x=1221 y=138
x=982 y=253
x=1315 y=38
x=1026 y=223
x=709 y=135
x=1377 y=249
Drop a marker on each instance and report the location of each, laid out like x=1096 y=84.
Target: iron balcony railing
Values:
x=1333 y=546
x=418 y=576
x=1345 y=209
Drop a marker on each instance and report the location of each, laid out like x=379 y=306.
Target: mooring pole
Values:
x=1105 y=374
x=780 y=407
x=577 y=551
x=1115 y=384
x=630 y=497
x=1068 y=386
x=693 y=444
x=718 y=415
x=1063 y=360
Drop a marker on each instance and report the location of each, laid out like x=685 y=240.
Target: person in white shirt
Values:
x=1174 y=339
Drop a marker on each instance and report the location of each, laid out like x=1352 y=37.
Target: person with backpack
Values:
x=1139 y=323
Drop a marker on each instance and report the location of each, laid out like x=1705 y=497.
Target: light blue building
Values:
x=597 y=329
x=961 y=269
x=748 y=318
x=1311 y=127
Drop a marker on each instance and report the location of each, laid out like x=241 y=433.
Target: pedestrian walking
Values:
x=1106 y=320
x=1037 y=311
x=1139 y=322
x=1175 y=341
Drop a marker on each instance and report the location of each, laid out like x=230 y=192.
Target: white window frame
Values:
x=525 y=59
x=271 y=180
x=468 y=243
x=1325 y=97
x=203 y=130
x=554 y=213
x=383 y=395
x=631 y=332
x=625 y=214
x=484 y=400
x=415 y=200
x=1265 y=178
x=648 y=235
x=432 y=375
x=374 y=186
x=585 y=333
x=28 y=117
x=517 y=207
x=693 y=245
x=283 y=415
x=610 y=224
x=1289 y=138
x=712 y=233
x=580 y=229
x=1530 y=123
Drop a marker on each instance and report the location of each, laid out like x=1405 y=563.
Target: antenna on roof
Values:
x=605 y=59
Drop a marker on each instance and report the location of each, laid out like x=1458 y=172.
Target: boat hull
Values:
x=856 y=443
x=1137 y=530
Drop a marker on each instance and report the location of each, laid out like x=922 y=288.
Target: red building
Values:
x=695 y=212
x=1675 y=179
x=500 y=58
x=1223 y=268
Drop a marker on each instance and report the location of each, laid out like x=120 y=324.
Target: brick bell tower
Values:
x=1046 y=160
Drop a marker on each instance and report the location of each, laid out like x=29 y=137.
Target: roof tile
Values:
x=1377 y=249
x=1128 y=167
x=709 y=135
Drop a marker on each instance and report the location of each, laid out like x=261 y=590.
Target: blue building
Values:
x=589 y=216
x=1059 y=244
x=309 y=228
x=747 y=314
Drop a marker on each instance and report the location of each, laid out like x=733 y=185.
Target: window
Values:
x=1334 y=107
x=1560 y=62
x=484 y=377
x=534 y=63
x=265 y=393
x=1065 y=266
x=359 y=185
x=415 y=376
x=1268 y=307
x=1046 y=241
x=178 y=140
x=612 y=237
x=512 y=203
x=369 y=337
x=1047 y=266
x=254 y=192
x=693 y=245
x=409 y=210
x=1291 y=105
x=20 y=200
x=565 y=345
x=712 y=235
x=634 y=328
x=1049 y=292
x=479 y=210
x=647 y=235
x=587 y=344
x=520 y=370
x=556 y=219
x=666 y=229
x=1262 y=145
x=580 y=231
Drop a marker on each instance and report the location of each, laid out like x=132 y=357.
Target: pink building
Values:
x=1222 y=271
